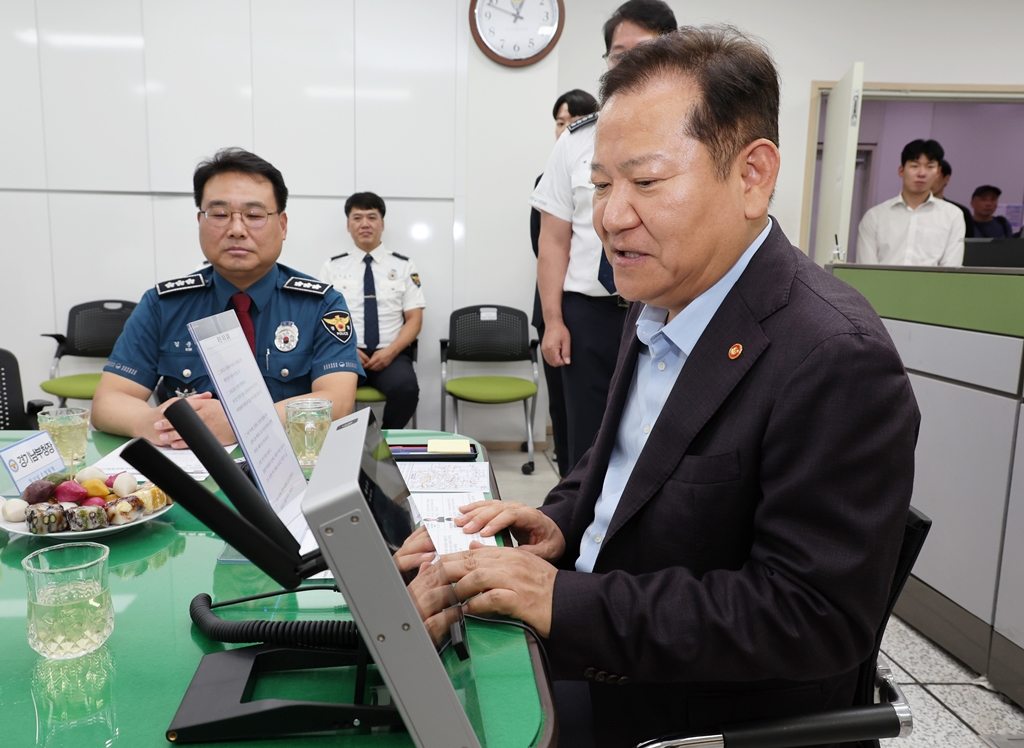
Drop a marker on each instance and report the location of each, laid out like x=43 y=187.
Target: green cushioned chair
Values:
x=493 y=334
x=367 y=394
x=93 y=328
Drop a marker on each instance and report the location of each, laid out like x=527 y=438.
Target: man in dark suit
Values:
x=725 y=549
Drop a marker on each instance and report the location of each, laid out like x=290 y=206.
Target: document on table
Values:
x=448 y=477
x=437 y=512
x=112 y=464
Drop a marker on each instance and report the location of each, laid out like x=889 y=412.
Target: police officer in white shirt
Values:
x=583 y=315
x=384 y=297
x=915 y=227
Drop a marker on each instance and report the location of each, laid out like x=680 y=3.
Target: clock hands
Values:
x=515 y=14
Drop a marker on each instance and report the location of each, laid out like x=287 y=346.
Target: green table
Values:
x=126 y=693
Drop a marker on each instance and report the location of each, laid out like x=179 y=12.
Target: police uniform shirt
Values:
x=395 y=279
x=303 y=330
x=566 y=192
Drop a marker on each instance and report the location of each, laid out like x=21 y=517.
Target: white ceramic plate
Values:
x=21 y=528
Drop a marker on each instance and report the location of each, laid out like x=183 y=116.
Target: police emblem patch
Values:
x=392 y=274
x=287 y=336
x=416 y=279
x=339 y=324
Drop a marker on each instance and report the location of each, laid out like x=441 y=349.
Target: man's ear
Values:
x=283 y=218
x=760 y=169
x=900 y=171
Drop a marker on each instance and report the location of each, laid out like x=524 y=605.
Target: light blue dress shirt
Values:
x=657 y=368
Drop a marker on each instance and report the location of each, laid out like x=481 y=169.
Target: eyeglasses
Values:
x=614 y=58
x=254 y=218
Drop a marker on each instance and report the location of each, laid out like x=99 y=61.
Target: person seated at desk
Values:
x=984 y=202
x=299 y=329
x=386 y=301
x=913 y=228
x=724 y=550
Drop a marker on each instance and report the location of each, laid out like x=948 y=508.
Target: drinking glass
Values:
x=69 y=609
x=69 y=429
x=307 y=422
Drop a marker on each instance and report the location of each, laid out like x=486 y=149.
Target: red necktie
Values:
x=242 y=302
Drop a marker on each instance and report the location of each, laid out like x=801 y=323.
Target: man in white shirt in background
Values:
x=382 y=290
x=583 y=314
x=914 y=228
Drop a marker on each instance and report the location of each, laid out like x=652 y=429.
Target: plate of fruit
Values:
x=89 y=505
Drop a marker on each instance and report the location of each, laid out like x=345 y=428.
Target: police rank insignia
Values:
x=416 y=279
x=185 y=283
x=296 y=283
x=287 y=336
x=339 y=324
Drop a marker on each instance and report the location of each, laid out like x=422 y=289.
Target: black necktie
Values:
x=605 y=274
x=371 y=331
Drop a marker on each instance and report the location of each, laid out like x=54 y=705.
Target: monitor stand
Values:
x=216 y=705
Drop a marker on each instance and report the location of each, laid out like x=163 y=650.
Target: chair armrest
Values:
x=533 y=349
x=32 y=409
x=61 y=341
x=444 y=350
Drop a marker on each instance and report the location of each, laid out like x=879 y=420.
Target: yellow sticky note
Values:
x=448 y=446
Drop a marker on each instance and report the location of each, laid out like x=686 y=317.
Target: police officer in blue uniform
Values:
x=299 y=328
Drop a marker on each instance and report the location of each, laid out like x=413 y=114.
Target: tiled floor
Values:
x=953 y=707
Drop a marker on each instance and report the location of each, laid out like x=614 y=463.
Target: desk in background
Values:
x=134 y=683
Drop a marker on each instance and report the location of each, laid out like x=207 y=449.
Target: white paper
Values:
x=250 y=409
x=437 y=512
x=450 y=477
x=113 y=463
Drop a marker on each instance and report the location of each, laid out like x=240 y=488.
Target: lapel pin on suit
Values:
x=735 y=351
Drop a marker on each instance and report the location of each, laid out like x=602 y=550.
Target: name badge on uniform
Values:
x=392 y=274
x=287 y=336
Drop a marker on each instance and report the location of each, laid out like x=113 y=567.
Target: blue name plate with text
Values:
x=31 y=459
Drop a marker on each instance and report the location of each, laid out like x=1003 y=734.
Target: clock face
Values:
x=516 y=32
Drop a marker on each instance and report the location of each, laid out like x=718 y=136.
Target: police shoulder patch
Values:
x=400 y=257
x=185 y=283
x=338 y=324
x=416 y=279
x=582 y=122
x=296 y=283
x=338 y=257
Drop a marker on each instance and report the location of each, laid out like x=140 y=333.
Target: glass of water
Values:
x=69 y=429
x=69 y=609
x=307 y=422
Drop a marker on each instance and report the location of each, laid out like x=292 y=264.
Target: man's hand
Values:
x=507 y=581
x=363 y=358
x=556 y=345
x=210 y=411
x=415 y=551
x=381 y=359
x=533 y=530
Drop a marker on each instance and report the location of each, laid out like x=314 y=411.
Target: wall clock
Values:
x=516 y=32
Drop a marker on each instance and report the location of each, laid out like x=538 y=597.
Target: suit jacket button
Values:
x=613 y=679
x=589 y=673
x=601 y=677
x=623 y=680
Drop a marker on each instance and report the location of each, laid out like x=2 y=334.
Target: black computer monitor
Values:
x=994 y=253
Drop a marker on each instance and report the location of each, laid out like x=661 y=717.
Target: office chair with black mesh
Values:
x=93 y=328
x=864 y=723
x=14 y=414
x=493 y=334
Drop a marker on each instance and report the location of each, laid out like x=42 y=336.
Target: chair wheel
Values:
x=524 y=447
x=527 y=468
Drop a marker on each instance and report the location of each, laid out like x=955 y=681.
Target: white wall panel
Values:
x=94 y=107
x=198 y=84
x=26 y=304
x=175 y=236
x=303 y=62
x=102 y=248
x=22 y=161
x=405 y=97
x=419 y=229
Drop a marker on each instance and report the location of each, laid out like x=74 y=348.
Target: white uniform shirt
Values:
x=893 y=234
x=395 y=279
x=565 y=191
